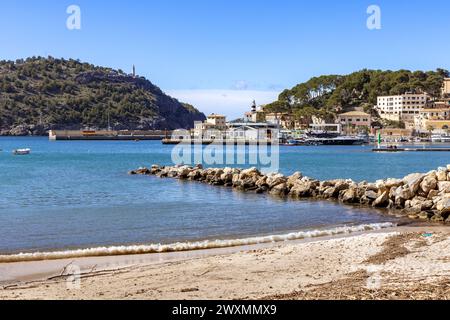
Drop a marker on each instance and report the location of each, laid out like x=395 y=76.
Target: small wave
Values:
x=188 y=246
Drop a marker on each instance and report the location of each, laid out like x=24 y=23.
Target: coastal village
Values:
x=419 y=117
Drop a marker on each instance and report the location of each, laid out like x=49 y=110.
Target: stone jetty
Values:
x=424 y=196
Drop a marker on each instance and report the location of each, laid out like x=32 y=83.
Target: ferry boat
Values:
x=21 y=152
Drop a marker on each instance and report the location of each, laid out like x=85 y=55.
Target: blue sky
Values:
x=222 y=54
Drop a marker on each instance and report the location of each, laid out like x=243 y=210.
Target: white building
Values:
x=402 y=108
x=211 y=128
x=432 y=118
x=251 y=131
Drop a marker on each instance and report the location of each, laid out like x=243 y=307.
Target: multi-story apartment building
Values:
x=402 y=107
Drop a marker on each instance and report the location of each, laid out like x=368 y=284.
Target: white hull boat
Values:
x=21 y=152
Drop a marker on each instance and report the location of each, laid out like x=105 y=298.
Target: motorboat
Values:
x=440 y=138
x=335 y=140
x=21 y=152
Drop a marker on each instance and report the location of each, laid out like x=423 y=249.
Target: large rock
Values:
x=429 y=183
x=404 y=193
x=292 y=180
x=442 y=174
x=341 y=185
x=381 y=201
x=350 y=196
x=432 y=194
x=330 y=192
x=444 y=186
x=183 y=172
x=227 y=177
x=249 y=173
x=275 y=179
x=262 y=182
x=194 y=175
x=413 y=181
x=393 y=183
x=280 y=190
x=421 y=203
x=302 y=189
x=370 y=194
x=443 y=206
x=155 y=169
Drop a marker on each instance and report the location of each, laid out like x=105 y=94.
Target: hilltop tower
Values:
x=134 y=71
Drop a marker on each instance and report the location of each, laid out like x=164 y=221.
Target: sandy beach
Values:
x=400 y=263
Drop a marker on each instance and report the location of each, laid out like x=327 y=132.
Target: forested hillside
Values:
x=38 y=94
x=324 y=96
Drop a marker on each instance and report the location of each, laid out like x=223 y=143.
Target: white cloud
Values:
x=240 y=85
x=232 y=103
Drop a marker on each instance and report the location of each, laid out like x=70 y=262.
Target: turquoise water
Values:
x=79 y=195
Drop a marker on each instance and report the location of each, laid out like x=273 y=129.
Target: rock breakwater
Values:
x=424 y=196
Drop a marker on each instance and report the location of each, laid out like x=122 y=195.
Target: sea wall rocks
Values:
x=424 y=196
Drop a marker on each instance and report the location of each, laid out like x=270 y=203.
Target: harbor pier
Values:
x=103 y=135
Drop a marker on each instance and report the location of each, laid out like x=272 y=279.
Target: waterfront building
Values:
x=402 y=107
x=439 y=103
x=396 y=135
x=211 y=128
x=250 y=131
x=218 y=121
x=437 y=126
x=446 y=88
x=431 y=117
x=355 y=121
x=283 y=120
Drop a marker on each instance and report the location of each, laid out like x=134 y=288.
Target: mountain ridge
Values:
x=39 y=94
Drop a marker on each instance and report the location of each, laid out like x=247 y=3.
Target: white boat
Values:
x=440 y=138
x=21 y=152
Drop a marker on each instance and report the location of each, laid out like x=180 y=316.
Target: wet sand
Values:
x=405 y=262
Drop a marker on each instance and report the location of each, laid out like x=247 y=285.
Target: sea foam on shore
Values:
x=187 y=246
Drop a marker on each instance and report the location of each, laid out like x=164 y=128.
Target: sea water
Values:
x=77 y=195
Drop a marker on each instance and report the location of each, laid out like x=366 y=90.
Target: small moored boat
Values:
x=21 y=152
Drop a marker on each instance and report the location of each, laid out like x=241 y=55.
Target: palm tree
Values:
x=430 y=129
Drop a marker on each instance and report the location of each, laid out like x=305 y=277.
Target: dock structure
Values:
x=411 y=150
x=102 y=135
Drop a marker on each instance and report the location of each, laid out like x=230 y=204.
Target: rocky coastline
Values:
x=421 y=196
